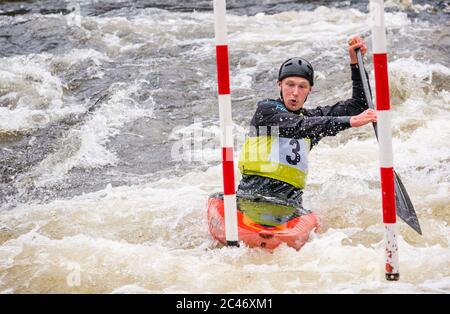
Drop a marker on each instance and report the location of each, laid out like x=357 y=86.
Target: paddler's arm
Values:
x=349 y=107
x=357 y=103
x=297 y=126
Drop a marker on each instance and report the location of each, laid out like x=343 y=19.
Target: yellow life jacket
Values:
x=280 y=158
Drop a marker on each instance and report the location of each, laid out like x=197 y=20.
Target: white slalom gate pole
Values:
x=226 y=125
x=385 y=138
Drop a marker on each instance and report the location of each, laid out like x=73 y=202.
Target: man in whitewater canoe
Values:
x=274 y=159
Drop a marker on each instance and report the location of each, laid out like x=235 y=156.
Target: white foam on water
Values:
x=152 y=27
x=410 y=78
x=32 y=93
x=271 y=39
x=172 y=252
x=200 y=141
x=402 y=4
x=31 y=96
x=85 y=147
x=78 y=55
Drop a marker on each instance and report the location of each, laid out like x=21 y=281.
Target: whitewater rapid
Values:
x=108 y=195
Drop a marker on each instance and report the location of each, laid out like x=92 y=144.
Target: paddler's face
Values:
x=294 y=90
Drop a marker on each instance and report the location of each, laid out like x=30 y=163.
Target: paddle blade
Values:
x=405 y=208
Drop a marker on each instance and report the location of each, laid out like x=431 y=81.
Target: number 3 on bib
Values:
x=295 y=151
x=291 y=152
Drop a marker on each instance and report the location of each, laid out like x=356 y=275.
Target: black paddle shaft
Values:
x=404 y=206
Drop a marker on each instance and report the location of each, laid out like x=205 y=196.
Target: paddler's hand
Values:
x=367 y=116
x=354 y=43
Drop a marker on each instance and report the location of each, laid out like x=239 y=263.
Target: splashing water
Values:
x=92 y=107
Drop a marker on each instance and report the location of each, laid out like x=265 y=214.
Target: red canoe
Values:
x=276 y=229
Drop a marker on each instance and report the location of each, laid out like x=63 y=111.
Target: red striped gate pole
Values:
x=226 y=125
x=385 y=138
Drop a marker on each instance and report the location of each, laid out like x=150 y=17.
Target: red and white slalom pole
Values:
x=226 y=125
x=385 y=138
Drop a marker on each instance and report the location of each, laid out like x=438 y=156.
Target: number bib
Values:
x=280 y=158
x=290 y=152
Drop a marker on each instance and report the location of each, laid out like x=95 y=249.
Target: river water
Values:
x=110 y=146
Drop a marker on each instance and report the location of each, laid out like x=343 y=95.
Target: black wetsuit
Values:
x=304 y=123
